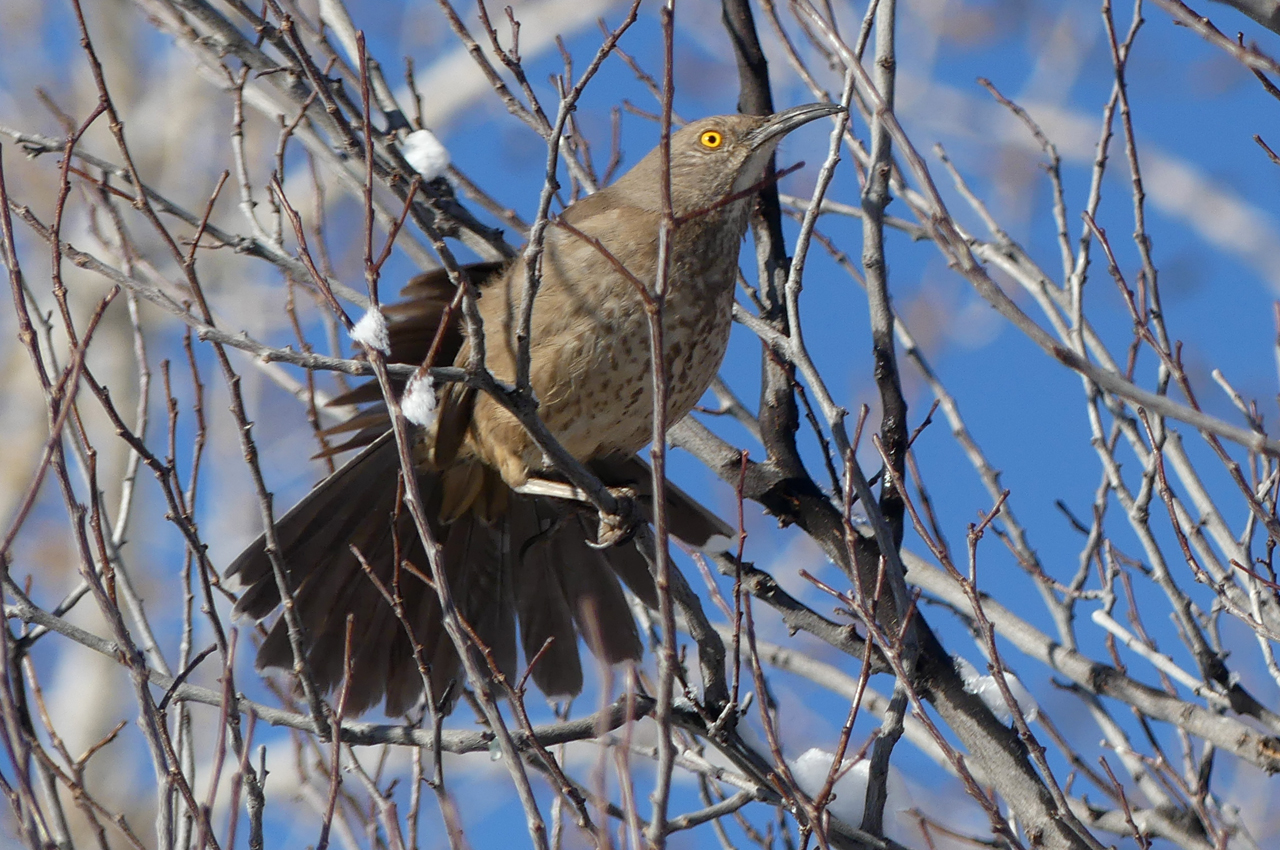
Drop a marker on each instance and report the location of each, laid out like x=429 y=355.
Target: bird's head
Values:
x=716 y=157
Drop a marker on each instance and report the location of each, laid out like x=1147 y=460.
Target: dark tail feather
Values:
x=599 y=607
x=356 y=506
x=541 y=604
x=315 y=532
x=480 y=578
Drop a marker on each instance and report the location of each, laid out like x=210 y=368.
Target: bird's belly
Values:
x=609 y=407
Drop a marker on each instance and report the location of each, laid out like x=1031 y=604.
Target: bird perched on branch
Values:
x=510 y=556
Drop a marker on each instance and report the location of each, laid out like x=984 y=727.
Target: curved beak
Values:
x=781 y=123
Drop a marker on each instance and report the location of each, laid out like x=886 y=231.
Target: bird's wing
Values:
x=412 y=327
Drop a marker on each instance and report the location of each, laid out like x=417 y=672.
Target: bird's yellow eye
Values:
x=711 y=139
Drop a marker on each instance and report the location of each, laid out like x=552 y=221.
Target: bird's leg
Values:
x=554 y=489
x=614 y=528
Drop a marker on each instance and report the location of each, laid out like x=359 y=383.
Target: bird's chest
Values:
x=608 y=406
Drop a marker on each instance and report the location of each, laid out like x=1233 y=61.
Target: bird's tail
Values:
x=530 y=565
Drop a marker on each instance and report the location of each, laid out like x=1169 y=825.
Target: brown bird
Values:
x=511 y=556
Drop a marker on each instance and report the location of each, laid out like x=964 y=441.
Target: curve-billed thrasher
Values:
x=508 y=553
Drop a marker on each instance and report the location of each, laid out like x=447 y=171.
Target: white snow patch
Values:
x=850 y=790
x=419 y=402
x=371 y=331
x=424 y=152
x=986 y=689
x=718 y=543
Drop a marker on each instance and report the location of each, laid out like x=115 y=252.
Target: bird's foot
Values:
x=617 y=528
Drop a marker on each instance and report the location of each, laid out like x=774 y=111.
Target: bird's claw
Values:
x=617 y=528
